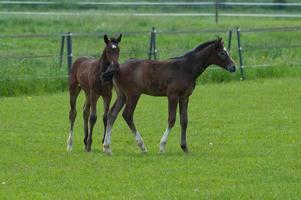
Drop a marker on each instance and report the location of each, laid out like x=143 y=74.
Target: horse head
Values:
x=221 y=57
x=112 y=56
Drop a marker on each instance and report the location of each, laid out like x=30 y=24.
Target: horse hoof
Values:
x=88 y=148
x=107 y=150
x=144 y=151
x=185 y=150
x=142 y=146
x=161 y=151
x=162 y=147
x=69 y=148
x=184 y=147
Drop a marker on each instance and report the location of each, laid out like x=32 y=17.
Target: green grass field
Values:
x=244 y=140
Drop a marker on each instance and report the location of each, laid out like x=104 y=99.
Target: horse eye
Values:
x=222 y=54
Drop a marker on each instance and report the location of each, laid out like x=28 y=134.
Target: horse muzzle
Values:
x=231 y=69
x=109 y=73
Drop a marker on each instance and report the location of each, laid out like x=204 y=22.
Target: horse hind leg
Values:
x=74 y=90
x=92 y=119
x=86 y=114
x=183 y=104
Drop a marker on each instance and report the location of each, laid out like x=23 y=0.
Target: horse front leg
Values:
x=92 y=119
x=183 y=104
x=172 y=109
x=111 y=117
x=128 y=114
x=106 y=106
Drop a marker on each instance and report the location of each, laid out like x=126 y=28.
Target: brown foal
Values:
x=174 y=78
x=88 y=74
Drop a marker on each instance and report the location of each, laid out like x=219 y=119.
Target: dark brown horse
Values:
x=88 y=74
x=174 y=78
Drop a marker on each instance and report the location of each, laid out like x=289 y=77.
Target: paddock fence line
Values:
x=153 y=51
x=244 y=48
x=159 y=3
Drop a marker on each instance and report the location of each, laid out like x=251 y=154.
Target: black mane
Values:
x=196 y=49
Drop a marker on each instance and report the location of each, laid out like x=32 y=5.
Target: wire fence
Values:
x=48 y=61
x=29 y=62
x=146 y=49
x=278 y=50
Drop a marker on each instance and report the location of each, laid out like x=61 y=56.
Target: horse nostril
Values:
x=232 y=69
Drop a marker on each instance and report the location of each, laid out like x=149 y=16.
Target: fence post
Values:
x=62 y=50
x=152 y=45
x=241 y=66
x=216 y=11
x=229 y=40
x=155 y=43
x=69 y=51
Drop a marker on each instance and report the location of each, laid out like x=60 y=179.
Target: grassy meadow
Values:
x=243 y=136
x=244 y=140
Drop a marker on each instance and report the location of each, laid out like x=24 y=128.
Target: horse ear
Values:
x=219 y=43
x=106 y=39
x=119 y=38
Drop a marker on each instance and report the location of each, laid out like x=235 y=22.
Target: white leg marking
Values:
x=140 y=142
x=106 y=144
x=70 y=141
x=107 y=140
x=164 y=140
